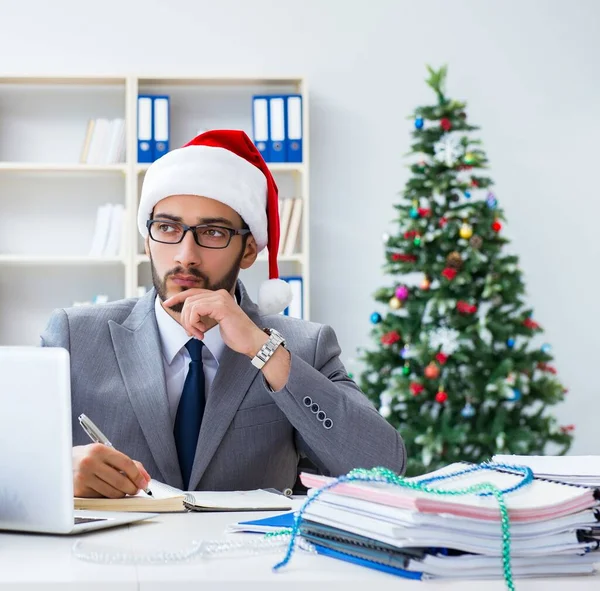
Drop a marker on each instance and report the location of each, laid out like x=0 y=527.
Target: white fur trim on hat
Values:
x=211 y=172
x=274 y=296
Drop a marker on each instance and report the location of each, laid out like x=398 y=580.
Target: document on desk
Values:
x=167 y=499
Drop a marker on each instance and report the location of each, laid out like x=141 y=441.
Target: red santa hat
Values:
x=226 y=166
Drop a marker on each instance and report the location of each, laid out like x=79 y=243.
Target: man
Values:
x=193 y=383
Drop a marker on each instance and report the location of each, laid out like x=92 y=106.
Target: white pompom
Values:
x=274 y=296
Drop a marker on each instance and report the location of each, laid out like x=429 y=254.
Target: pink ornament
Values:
x=402 y=292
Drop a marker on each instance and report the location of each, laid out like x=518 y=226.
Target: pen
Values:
x=98 y=437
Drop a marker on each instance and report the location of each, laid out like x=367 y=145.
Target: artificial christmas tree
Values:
x=456 y=369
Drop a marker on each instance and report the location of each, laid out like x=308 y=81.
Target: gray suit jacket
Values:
x=250 y=437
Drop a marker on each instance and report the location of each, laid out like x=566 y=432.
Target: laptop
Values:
x=36 y=474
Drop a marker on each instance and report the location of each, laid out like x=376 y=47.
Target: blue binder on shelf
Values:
x=294 y=128
x=145 y=132
x=277 y=120
x=160 y=126
x=260 y=125
x=296 y=307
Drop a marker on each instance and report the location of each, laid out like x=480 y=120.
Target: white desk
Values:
x=29 y=562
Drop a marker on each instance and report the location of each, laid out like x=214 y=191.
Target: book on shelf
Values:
x=108 y=233
x=104 y=142
x=292 y=234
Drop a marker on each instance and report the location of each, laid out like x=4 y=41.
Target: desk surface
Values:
x=47 y=562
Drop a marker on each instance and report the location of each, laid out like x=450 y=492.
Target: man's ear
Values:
x=250 y=253
x=147 y=245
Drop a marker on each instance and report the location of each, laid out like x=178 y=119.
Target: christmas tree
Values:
x=456 y=368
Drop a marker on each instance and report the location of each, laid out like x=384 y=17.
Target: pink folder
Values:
x=537 y=501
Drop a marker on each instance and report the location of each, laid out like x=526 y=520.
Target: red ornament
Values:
x=529 y=323
x=567 y=428
x=443 y=222
x=424 y=212
x=441 y=397
x=410 y=234
x=441 y=358
x=446 y=124
x=449 y=273
x=465 y=308
x=474 y=183
x=496 y=226
x=545 y=367
x=389 y=338
x=416 y=389
x=405 y=258
x=432 y=371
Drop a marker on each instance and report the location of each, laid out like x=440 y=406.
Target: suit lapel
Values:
x=232 y=381
x=138 y=352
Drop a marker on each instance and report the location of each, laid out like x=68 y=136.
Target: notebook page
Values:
x=556 y=465
x=245 y=499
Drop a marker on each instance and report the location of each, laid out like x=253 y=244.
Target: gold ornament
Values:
x=395 y=303
x=466 y=231
x=425 y=284
x=454 y=260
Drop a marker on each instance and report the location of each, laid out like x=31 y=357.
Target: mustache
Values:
x=191 y=271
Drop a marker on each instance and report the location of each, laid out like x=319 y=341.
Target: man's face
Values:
x=178 y=267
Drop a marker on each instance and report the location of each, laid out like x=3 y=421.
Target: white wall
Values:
x=527 y=68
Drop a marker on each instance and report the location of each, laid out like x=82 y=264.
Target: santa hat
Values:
x=224 y=165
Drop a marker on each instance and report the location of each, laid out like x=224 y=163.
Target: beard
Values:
x=227 y=282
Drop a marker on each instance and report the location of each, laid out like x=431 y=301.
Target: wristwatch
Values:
x=267 y=350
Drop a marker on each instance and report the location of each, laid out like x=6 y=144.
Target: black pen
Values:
x=98 y=437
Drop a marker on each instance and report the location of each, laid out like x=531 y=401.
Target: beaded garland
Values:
x=381 y=474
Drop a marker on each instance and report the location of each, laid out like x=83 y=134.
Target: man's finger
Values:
x=104 y=489
x=124 y=464
x=184 y=295
x=116 y=479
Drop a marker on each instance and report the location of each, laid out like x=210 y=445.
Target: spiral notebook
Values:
x=166 y=499
x=542 y=499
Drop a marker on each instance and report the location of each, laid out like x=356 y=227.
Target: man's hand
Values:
x=102 y=471
x=203 y=308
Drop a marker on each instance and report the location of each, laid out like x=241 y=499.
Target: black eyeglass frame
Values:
x=231 y=231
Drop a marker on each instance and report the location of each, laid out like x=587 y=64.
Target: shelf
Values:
x=219 y=81
x=74 y=80
x=66 y=167
x=297 y=167
x=21 y=259
x=292 y=258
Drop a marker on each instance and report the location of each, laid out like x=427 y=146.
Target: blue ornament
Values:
x=492 y=202
x=510 y=343
x=419 y=122
x=546 y=348
x=515 y=395
x=468 y=411
x=376 y=318
x=468 y=194
x=405 y=352
x=414 y=213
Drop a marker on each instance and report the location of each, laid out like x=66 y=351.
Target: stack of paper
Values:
x=582 y=470
x=554 y=527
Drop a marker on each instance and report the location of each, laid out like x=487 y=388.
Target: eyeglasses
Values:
x=207 y=236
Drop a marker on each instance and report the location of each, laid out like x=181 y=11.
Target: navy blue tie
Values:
x=190 y=411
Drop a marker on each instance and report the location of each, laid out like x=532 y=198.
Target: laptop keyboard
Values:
x=80 y=520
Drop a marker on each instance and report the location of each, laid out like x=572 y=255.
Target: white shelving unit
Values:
x=49 y=200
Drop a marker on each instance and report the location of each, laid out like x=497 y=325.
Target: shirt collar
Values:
x=173 y=336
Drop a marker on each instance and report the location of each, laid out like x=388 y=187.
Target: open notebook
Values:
x=167 y=499
x=540 y=500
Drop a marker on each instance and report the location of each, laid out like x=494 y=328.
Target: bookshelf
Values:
x=50 y=199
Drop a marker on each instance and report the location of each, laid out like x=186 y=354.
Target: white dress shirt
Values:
x=176 y=359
